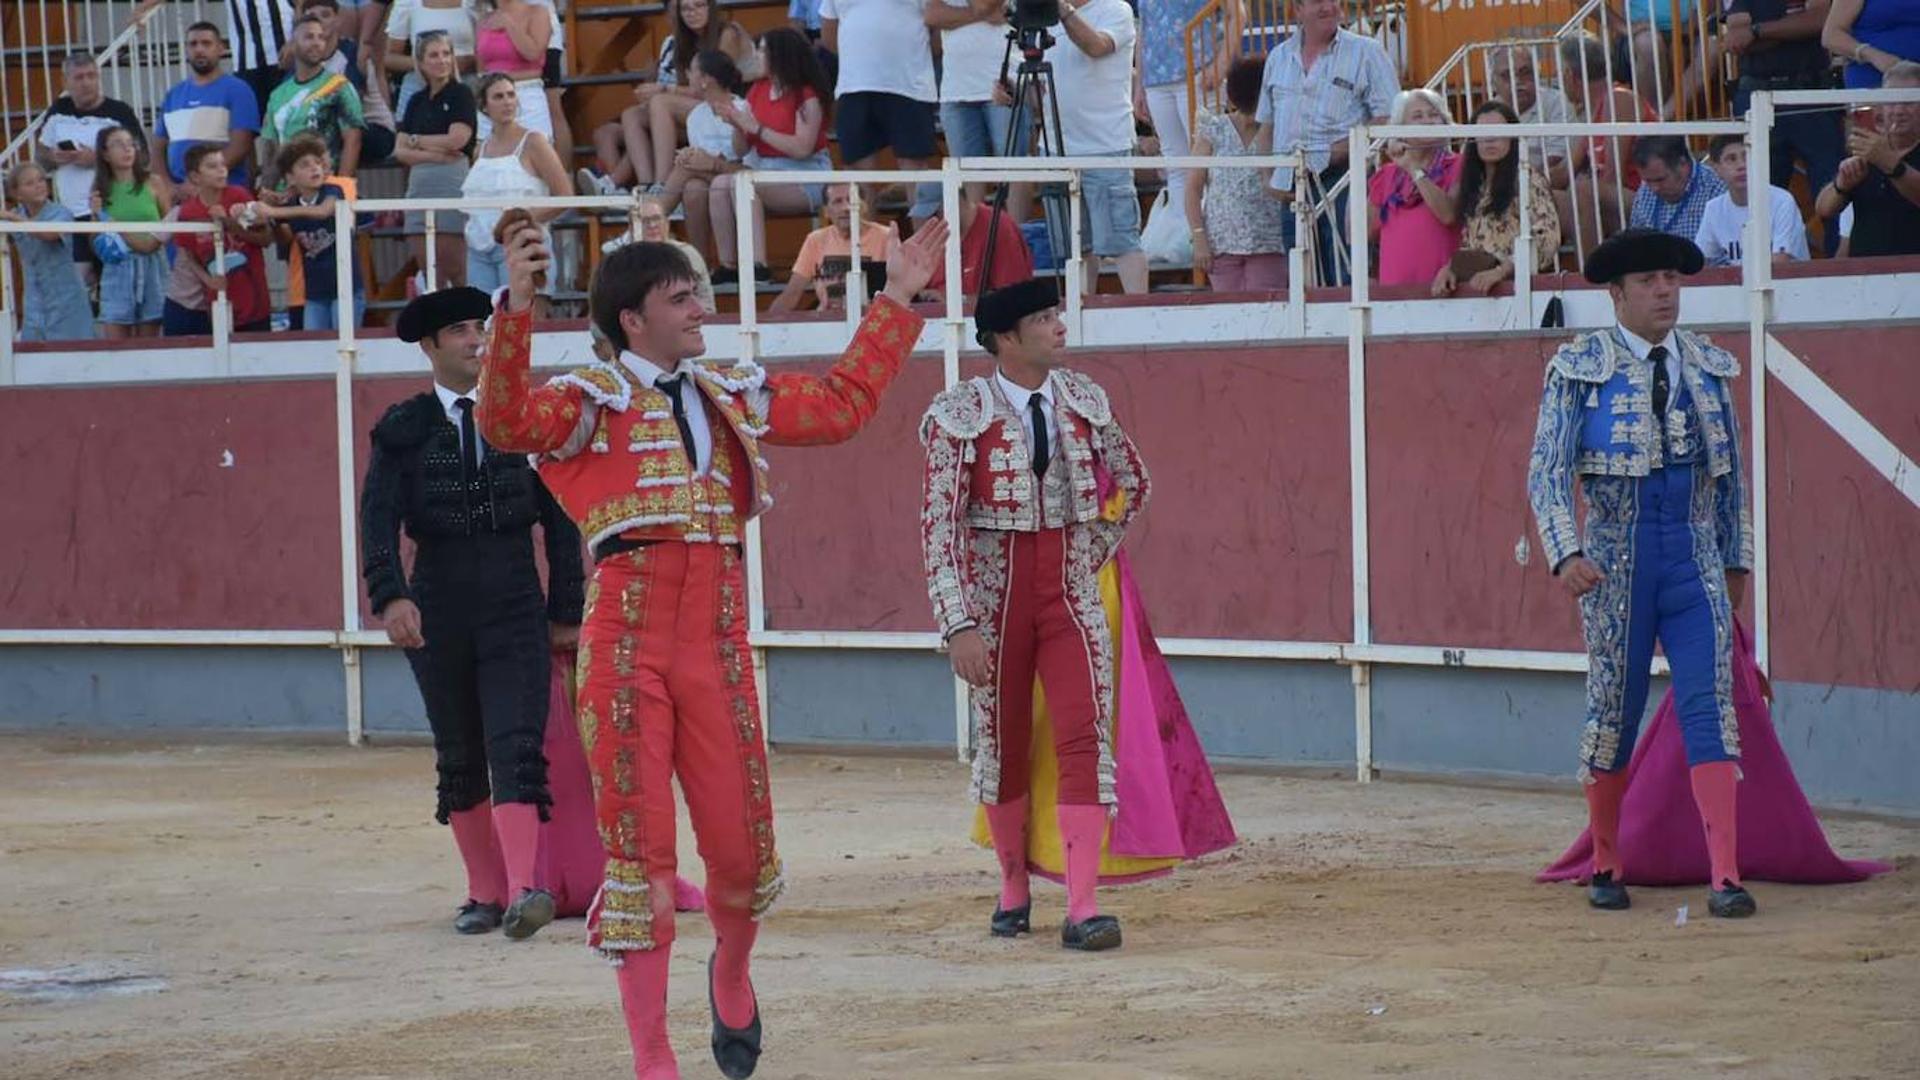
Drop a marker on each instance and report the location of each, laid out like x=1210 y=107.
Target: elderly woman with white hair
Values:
x=1415 y=220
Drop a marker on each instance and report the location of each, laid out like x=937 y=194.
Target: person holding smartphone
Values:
x=67 y=139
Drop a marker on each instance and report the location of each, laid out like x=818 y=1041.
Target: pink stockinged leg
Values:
x=518 y=826
x=643 y=999
x=1604 y=795
x=1714 y=791
x=1007 y=822
x=480 y=851
x=1081 y=827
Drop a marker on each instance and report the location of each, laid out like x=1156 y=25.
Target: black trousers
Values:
x=485 y=672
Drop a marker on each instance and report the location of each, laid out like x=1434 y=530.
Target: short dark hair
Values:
x=304 y=145
x=1668 y=149
x=76 y=60
x=198 y=153
x=1721 y=142
x=1243 y=84
x=309 y=5
x=311 y=17
x=208 y=27
x=721 y=69
x=626 y=277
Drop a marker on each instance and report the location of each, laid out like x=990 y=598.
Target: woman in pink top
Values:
x=1415 y=220
x=512 y=41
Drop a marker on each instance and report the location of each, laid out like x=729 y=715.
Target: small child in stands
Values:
x=306 y=224
x=53 y=302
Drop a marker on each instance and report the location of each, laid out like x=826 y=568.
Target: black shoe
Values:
x=724 y=275
x=735 y=1050
x=1606 y=894
x=1097 y=934
x=1732 y=902
x=530 y=911
x=762 y=272
x=1012 y=923
x=477 y=918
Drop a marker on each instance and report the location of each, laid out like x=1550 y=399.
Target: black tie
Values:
x=1662 y=387
x=469 y=440
x=672 y=384
x=1036 y=405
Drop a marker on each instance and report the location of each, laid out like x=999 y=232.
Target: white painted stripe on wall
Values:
x=1846 y=421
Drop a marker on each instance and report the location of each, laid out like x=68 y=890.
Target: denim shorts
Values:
x=1110 y=211
x=820 y=162
x=134 y=290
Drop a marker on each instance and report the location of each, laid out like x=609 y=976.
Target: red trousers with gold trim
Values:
x=1047 y=622
x=667 y=688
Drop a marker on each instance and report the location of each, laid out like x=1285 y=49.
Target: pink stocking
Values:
x=1714 y=787
x=1604 y=794
x=734 y=932
x=643 y=998
x=486 y=875
x=519 y=827
x=1007 y=822
x=1082 y=827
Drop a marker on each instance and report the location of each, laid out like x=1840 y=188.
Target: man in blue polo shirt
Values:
x=207 y=106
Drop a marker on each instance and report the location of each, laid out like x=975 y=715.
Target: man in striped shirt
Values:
x=1319 y=84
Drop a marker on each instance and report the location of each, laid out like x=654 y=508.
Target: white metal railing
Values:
x=1359 y=654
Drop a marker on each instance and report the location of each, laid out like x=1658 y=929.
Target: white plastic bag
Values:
x=1166 y=238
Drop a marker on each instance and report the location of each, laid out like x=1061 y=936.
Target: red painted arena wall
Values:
x=124 y=510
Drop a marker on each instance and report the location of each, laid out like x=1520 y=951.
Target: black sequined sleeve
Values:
x=566 y=572
x=382 y=507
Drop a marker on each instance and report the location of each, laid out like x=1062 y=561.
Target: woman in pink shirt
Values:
x=1415 y=221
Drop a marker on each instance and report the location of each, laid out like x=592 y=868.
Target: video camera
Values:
x=1032 y=16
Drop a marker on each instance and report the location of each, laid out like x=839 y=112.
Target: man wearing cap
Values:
x=1643 y=416
x=476 y=628
x=657 y=456
x=1014 y=537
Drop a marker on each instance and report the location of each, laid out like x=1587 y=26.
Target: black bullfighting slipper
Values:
x=1012 y=923
x=477 y=918
x=1606 y=894
x=1732 y=902
x=1097 y=934
x=735 y=1050
x=530 y=911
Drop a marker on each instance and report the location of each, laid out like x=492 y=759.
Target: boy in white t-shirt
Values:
x=1723 y=224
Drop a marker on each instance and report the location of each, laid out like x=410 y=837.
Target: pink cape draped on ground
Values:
x=572 y=862
x=1661 y=839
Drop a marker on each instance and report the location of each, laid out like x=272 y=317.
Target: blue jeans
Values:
x=974 y=129
x=1332 y=230
x=487 y=270
x=325 y=314
x=1813 y=135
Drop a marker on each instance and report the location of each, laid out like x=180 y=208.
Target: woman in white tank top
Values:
x=513 y=163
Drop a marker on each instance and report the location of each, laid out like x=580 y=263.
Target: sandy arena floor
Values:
x=295 y=899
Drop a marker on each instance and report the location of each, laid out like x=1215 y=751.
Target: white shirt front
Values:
x=1640 y=347
x=706 y=131
x=1096 y=93
x=1723 y=227
x=450 y=402
x=970 y=59
x=691 y=398
x=884 y=48
x=1020 y=397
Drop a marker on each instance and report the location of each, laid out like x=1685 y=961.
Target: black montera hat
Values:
x=433 y=312
x=1634 y=251
x=999 y=311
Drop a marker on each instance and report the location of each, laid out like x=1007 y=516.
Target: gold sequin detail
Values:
x=623 y=652
x=623 y=710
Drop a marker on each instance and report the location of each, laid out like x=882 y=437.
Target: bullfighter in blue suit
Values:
x=1643 y=416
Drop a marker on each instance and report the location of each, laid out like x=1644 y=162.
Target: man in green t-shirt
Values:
x=314 y=100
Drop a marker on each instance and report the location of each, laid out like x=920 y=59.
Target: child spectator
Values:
x=53 y=302
x=306 y=224
x=134 y=265
x=240 y=269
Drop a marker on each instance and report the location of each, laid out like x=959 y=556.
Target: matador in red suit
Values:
x=656 y=456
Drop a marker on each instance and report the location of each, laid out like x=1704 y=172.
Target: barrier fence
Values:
x=1359 y=652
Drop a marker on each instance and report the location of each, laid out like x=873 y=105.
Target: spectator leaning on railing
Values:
x=53 y=297
x=1239 y=237
x=1674 y=189
x=306 y=224
x=1414 y=217
x=1722 y=234
x=315 y=100
x=1487 y=192
x=1881 y=181
x=1318 y=85
x=1872 y=36
x=241 y=270
x=834 y=241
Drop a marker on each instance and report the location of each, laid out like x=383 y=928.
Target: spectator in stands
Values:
x=514 y=161
x=436 y=139
x=1415 y=220
x=709 y=152
x=1651 y=28
x=833 y=241
x=1600 y=173
x=1872 y=36
x=306 y=224
x=512 y=40
x=67 y=139
x=885 y=97
x=973 y=40
x=206 y=107
x=1515 y=79
x=344 y=59
x=315 y=100
x=1092 y=58
x=379 y=133
x=1674 y=189
x=553 y=82
x=804 y=16
x=134 y=265
x=239 y=268
x=53 y=297
x=639 y=149
x=1319 y=84
x=1881 y=181
x=1012 y=259
x=1722 y=233
x=1487 y=192
x=783 y=128
x=1161 y=83
x=1239 y=239
x=1778 y=46
x=411 y=20
x=650 y=224
x=260 y=32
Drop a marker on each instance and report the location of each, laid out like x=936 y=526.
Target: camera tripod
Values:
x=1033 y=88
